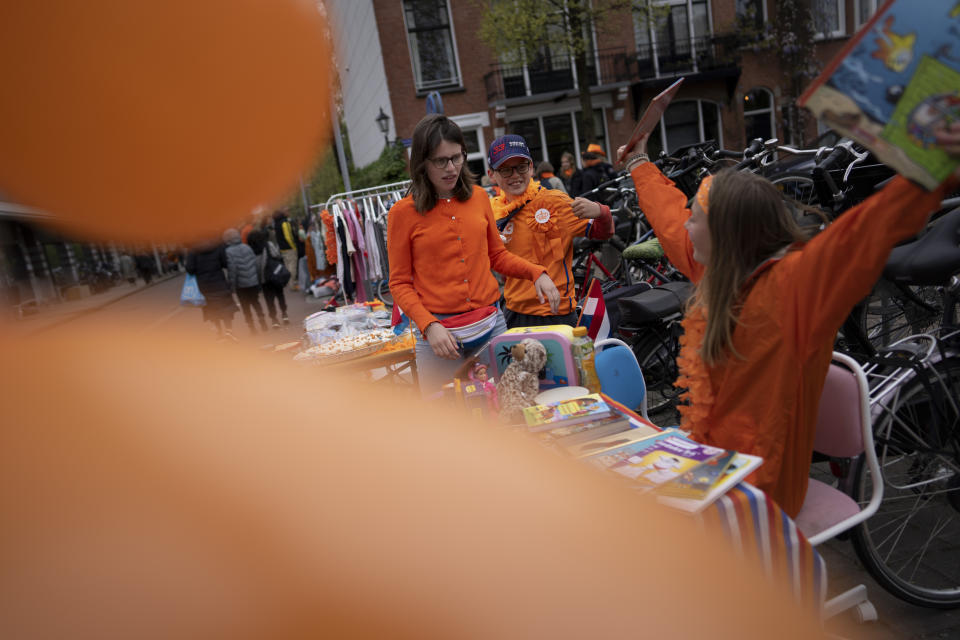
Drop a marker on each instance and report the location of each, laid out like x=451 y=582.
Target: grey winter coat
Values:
x=242 y=271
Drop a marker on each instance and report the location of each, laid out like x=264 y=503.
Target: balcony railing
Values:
x=547 y=75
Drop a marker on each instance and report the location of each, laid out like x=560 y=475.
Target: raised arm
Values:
x=840 y=266
x=665 y=207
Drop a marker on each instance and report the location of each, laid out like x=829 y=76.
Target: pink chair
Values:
x=844 y=430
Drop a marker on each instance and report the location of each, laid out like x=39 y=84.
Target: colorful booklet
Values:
x=564 y=413
x=654 y=460
x=894 y=83
x=697 y=482
x=739 y=468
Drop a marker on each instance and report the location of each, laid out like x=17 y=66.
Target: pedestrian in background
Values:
x=128 y=268
x=547 y=178
x=568 y=166
x=596 y=170
x=207 y=263
x=243 y=275
x=145 y=267
x=264 y=245
x=286 y=242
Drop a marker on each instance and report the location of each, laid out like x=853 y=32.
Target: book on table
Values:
x=569 y=437
x=655 y=459
x=740 y=466
x=638 y=431
x=894 y=83
x=565 y=413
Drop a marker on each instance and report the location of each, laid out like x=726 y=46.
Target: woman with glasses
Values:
x=442 y=243
x=539 y=224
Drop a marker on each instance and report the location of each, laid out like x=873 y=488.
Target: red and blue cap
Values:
x=506 y=147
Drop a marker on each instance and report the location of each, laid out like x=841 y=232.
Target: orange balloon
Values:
x=161 y=121
x=175 y=488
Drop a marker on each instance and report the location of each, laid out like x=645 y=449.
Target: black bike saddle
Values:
x=931 y=259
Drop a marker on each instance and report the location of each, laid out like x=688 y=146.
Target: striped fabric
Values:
x=756 y=526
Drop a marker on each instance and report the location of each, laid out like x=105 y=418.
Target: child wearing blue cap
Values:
x=539 y=225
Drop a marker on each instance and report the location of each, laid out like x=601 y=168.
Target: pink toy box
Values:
x=561 y=371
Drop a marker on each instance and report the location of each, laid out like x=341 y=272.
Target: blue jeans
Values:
x=434 y=371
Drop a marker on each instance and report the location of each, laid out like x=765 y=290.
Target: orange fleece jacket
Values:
x=543 y=232
x=766 y=404
x=440 y=261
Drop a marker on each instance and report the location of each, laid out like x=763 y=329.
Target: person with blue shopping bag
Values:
x=207 y=265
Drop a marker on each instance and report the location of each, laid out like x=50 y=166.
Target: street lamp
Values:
x=383 y=121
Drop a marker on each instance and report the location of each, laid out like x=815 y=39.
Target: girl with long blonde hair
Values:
x=760 y=326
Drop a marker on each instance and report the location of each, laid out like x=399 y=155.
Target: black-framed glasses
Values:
x=456 y=159
x=520 y=167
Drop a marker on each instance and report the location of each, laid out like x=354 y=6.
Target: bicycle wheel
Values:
x=657 y=356
x=383 y=293
x=911 y=546
x=799 y=188
x=893 y=312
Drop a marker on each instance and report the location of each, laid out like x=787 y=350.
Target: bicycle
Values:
x=911 y=546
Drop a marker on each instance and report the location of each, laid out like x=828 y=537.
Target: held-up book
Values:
x=894 y=83
x=740 y=467
x=652 y=461
x=564 y=413
x=651 y=117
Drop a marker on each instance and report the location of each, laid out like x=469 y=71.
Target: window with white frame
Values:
x=828 y=18
x=686 y=122
x=432 y=45
x=666 y=30
x=865 y=10
x=548 y=137
x=758 y=114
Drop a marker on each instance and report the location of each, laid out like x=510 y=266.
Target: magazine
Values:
x=655 y=460
x=543 y=417
x=894 y=83
x=739 y=468
x=697 y=482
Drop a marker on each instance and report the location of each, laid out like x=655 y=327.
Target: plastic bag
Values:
x=190 y=294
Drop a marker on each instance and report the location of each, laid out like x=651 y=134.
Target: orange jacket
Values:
x=440 y=261
x=766 y=404
x=543 y=232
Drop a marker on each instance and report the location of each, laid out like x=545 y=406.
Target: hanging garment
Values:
x=330 y=236
x=343 y=264
x=374 y=268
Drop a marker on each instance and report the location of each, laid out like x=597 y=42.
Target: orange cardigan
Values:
x=766 y=404
x=440 y=261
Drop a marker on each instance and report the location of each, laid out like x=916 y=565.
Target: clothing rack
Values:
x=372 y=204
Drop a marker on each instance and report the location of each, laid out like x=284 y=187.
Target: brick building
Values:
x=393 y=53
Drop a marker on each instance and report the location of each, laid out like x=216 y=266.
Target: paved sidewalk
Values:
x=56 y=313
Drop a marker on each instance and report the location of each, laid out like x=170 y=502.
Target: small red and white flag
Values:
x=399 y=320
x=594 y=314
